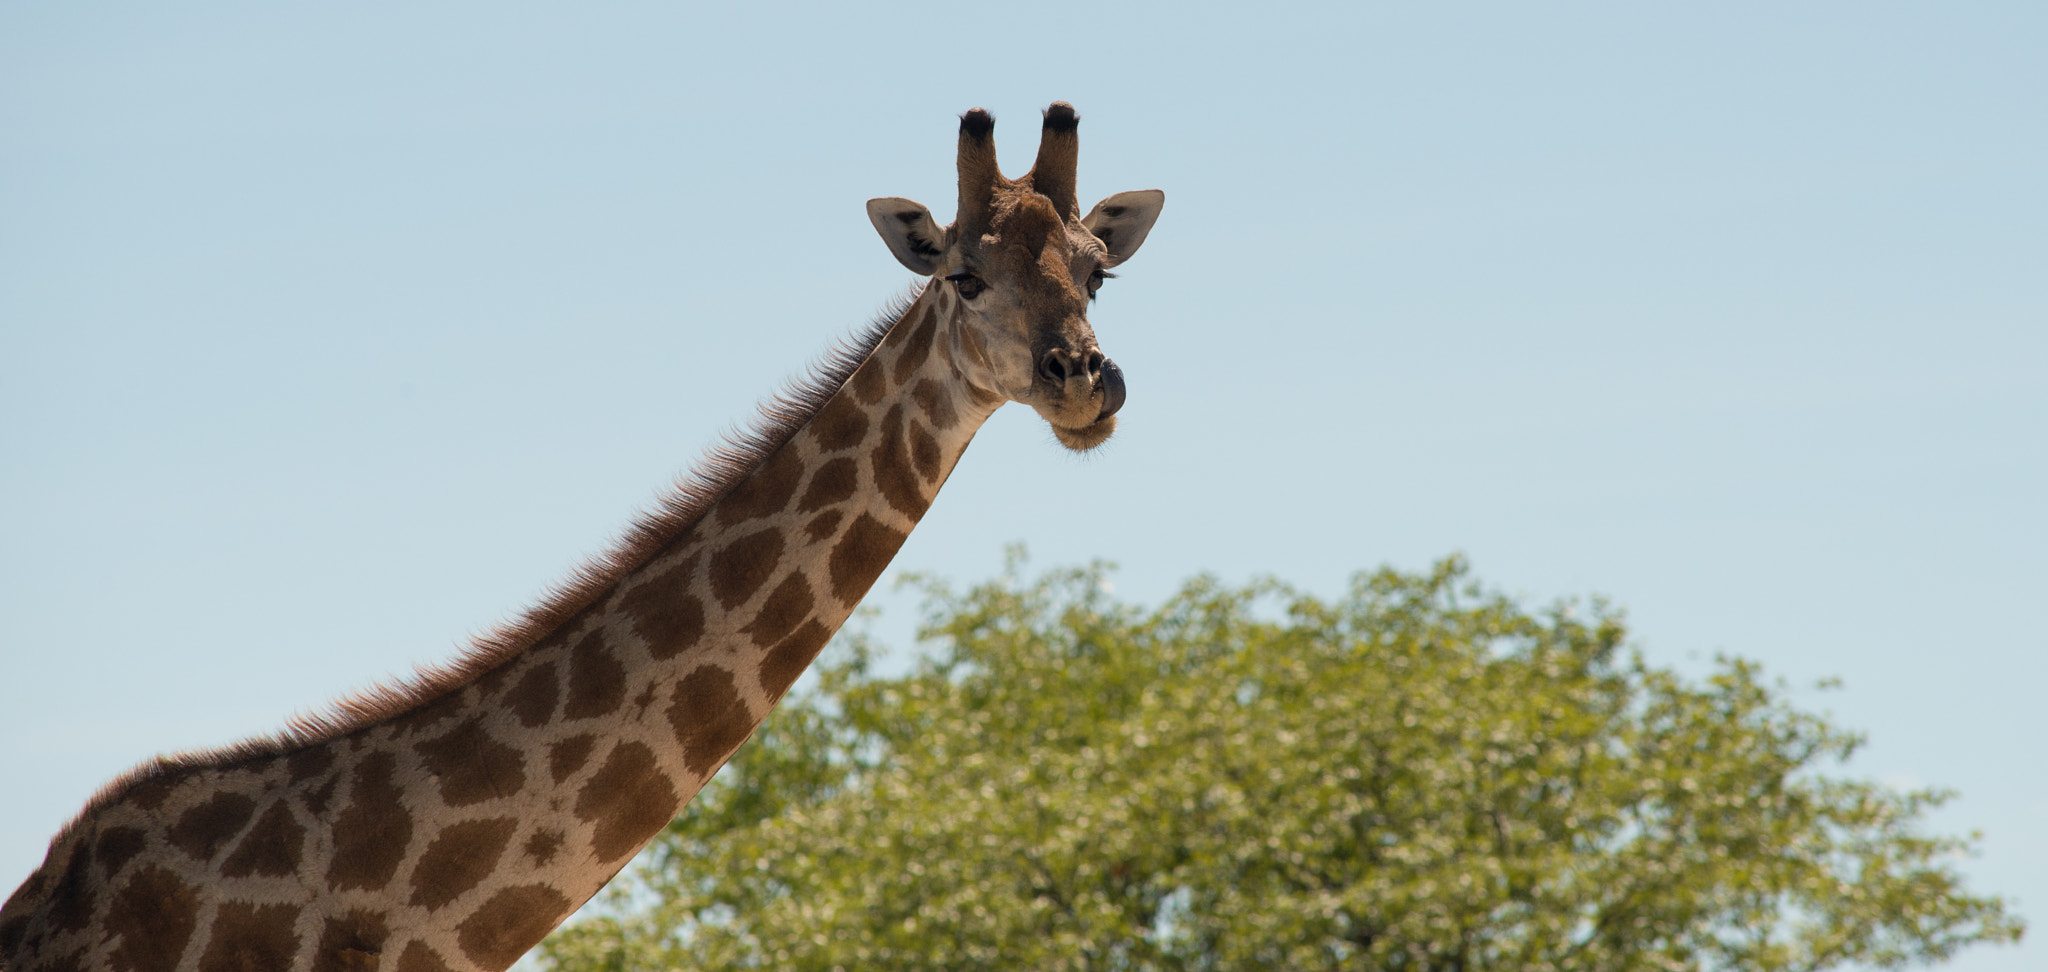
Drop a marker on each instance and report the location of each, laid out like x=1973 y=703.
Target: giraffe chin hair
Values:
x=1087 y=437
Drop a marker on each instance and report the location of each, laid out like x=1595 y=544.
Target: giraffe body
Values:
x=451 y=823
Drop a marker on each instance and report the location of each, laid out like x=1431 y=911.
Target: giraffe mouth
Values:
x=1082 y=438
x=1112 y=390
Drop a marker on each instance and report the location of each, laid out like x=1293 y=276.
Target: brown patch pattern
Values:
x=839 y=425
x=431 y=714
x=569 y=755
x=861 y=556
x=597 y=682
x=765 y=492
x=149 y=793
x=916 y=347
x=371 y=835
x=890 y=461
x=936 y=404
x=71 y=900
x=471 y=766
x=272 y=848
x=151 y=920
x=115 y=846
x=12 y=931
x=868 y=383
x=628 y=799
x=786 y=607
x=418 y=957
x=709 y=718
x=534 y=699
x=351 y=943
x=924 y=452
x=834 y=482
x=203 y=829
x=459 y=858
x=309 y=762
x=251 y=938
x=514 y=920
x=783 y=663
x=820 y=528
x=742 y=566
x=542 y=844
x=664 y=614
x=315 y=799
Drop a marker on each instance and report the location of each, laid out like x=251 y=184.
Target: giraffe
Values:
x=448 y=823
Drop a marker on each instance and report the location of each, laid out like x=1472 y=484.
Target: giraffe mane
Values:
x=717 y=472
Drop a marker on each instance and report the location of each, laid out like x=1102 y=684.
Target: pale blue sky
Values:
x=330 y=336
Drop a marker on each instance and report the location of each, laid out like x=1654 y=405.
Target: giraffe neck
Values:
x=458 y=833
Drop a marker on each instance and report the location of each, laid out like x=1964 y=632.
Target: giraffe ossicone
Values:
x=448 y=823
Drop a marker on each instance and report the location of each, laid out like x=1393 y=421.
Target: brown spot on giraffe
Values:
x=861 y=556
x=428 y=716
x=709 y=718
x=315 y=799
x=841 y=424
x=251 y=938
x=471 y=765
x=533 y=700
x=309 y=762
x=150 y=792
x=569 y=755
x=765 y=492
x=786 y=607
x=458 y=859
x=201 y=830
x=924 y=452
x=821 y=526
x=419 y=957
x=13 y=930
x=71 y=899
x=932 y=399
x=742 y=566
x=542 y=845
x=597 y=682
x=916 y=347
x=513 y=921
x=788 y=659
x=351 y=942
x=272 y=848
x=372 y=833
x=628 y=799
x=894 y=476
x=664 y=613
x=115 y=847
x=150 y=921
x=834 y=482
x=869 y=384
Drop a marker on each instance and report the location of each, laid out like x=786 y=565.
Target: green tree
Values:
x=1423 y=775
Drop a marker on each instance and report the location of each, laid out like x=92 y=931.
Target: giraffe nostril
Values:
x=1095 y=362
x=1054 y=367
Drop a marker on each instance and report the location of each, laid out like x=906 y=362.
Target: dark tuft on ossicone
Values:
x=1060 y=117
x=977 y=123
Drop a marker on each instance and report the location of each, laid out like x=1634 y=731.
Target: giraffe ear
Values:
x=1122 y=220
x=907 y=227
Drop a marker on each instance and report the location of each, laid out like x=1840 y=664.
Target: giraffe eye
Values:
x=1095 y=281
x=969 y=285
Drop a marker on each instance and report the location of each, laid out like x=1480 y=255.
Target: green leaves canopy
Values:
x=1423 y=775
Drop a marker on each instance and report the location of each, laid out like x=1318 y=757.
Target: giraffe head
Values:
x=1019 y=265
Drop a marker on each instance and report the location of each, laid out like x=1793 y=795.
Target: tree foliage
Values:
x=1420 y=776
